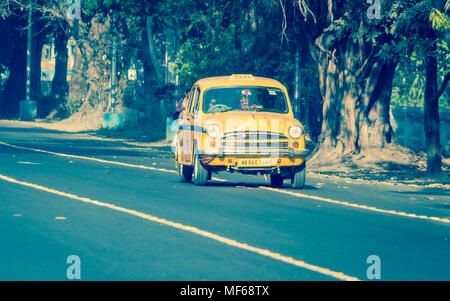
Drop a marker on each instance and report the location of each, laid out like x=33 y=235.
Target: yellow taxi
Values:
x=240 y=123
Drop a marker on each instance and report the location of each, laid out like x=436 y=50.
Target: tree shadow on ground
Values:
x=32 y=130
x=427 y=191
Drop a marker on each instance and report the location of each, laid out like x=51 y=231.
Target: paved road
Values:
x=64 y=194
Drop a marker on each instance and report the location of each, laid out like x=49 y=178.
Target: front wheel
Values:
x=298 y=179
x=200 y=173
x=184 y=172
x=276 y=180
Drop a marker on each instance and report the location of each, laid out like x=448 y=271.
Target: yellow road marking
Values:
x=89 y=158
x=191 y=229
x=354 y=205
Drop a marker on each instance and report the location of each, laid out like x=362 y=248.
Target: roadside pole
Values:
x=297 y=104
x=114 y=75
x=27 y=107
x=113 y=119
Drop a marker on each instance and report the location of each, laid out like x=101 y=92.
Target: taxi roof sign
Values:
x=241 y=76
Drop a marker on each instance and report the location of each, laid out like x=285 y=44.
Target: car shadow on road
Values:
x=253 y=185
x=442 y=206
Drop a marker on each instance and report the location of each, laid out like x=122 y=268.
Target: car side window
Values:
x=189 y=103
x=196 y=102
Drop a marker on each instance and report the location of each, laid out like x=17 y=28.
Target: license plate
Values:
x=255 y=162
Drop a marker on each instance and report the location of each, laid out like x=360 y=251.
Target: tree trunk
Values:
x=374 y=118
x=153 y=117
x=332 y=95
x=60 y=86
x=78 y=86
x=356 y=90
x=152 y=50
x=36 y=56
x=152 y=80
x=385 y=104
x=431 y=115
x=15 y=86
x=309 y=93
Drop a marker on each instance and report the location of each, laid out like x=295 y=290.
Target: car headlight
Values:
x=213 y=131
x=295 y=131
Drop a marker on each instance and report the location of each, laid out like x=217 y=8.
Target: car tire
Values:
x=185 y=173
x=276 y=180
x=200 y=173
x=298 y=179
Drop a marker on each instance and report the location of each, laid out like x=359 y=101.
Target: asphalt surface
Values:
x=136 y=221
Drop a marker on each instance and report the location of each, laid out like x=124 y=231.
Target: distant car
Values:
x=240 y=123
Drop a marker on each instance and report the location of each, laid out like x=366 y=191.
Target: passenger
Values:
x=177 y=116
x=181 y=106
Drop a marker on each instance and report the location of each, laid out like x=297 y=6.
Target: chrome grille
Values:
x=253 y=135
x=254 y=142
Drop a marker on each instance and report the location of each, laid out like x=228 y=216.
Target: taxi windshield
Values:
x=264 y=99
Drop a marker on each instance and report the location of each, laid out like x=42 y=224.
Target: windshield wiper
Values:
x=268 y=110
x=227 y=110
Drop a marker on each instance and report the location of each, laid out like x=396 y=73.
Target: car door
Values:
x=195 y=120
x=190 y=121
x=184 y=128
x=185 y=145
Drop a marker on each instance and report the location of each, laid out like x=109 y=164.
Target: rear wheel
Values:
x=298 y=179
x=185 y=173
x=200 y=173
x=276 y=180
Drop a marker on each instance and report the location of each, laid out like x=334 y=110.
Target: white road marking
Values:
x=191 y=229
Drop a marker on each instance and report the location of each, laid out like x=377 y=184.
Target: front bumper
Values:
x=299 y=152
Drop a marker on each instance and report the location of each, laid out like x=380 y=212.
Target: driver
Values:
x=244 y=99
x=212 y=102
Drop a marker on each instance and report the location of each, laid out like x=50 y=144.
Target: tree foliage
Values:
x=351 y=67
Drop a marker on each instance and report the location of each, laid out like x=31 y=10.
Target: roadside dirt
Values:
x=394 y=164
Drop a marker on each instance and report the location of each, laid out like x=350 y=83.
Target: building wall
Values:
x=407 y=123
